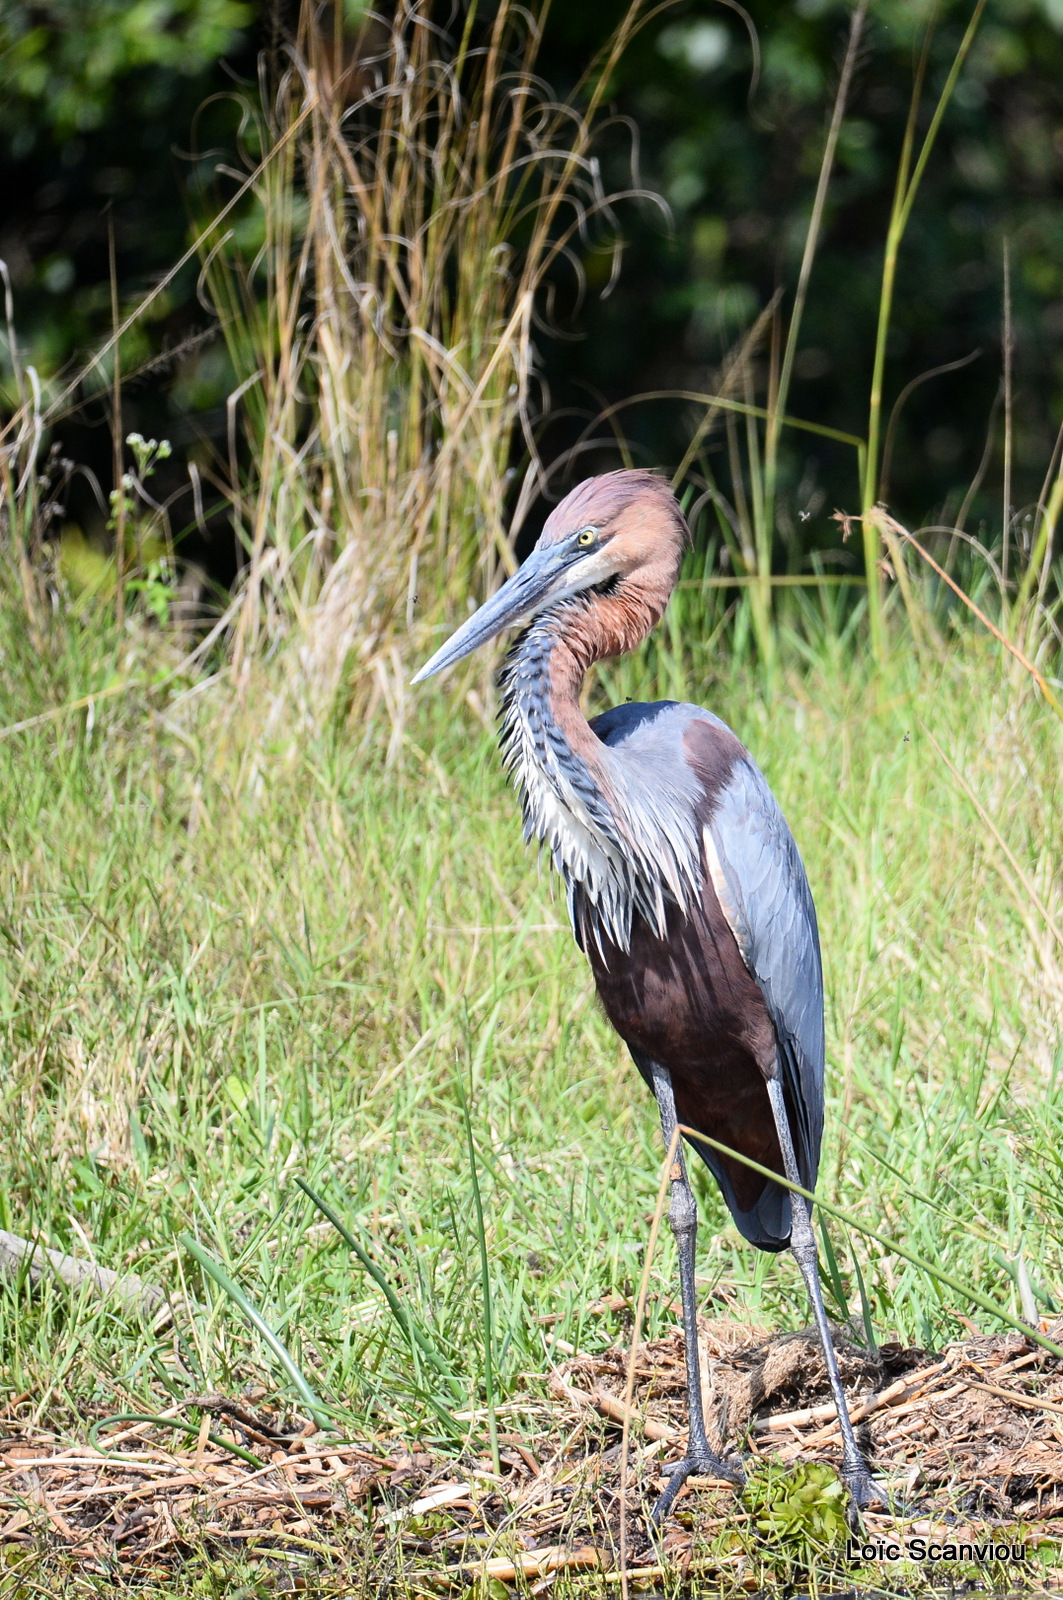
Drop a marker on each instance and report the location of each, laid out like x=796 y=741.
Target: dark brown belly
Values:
x=689 y=1002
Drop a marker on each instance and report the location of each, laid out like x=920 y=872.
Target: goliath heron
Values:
x=685 y=889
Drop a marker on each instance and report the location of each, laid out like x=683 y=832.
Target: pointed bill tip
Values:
x=519 y=597
x=443 y=658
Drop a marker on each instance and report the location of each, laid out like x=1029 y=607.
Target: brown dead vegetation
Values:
x=974 y=1434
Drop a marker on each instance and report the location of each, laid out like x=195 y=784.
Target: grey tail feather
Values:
x=767 y=1224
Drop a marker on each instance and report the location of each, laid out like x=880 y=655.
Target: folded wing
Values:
x=759 y=878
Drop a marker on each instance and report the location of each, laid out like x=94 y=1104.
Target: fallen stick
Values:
x=40 y=1262
x=1036 y=1354
x=900 y=1406
x=1030 y=1401
x=608 y=1405
x=541 y=1563
x=134 y=1461
x=644 y=1574
x=901 y=1390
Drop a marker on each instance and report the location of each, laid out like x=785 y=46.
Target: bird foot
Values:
x=702 y=1464
x=864 y=1493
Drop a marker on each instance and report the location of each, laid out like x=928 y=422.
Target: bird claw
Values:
x=677 y=1473
x=864 y=1493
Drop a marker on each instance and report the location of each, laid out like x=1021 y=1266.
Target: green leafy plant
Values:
x=65 y=64
x=798 y=1512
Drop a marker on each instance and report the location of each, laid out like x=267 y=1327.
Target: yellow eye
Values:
x=587 y=537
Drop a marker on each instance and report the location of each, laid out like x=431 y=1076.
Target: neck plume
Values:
x=622 y=845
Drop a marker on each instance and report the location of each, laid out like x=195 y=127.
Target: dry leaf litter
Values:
x=975 y=1433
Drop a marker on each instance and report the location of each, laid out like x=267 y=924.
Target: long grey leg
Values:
x=683 y=1216
x=855 y=1471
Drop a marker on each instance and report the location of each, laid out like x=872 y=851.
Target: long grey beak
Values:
x=517 y=600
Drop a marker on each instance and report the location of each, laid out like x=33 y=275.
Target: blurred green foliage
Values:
x=736 y=155
x=67 y=62
x=103 y=104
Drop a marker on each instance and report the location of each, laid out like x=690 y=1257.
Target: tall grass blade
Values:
x=780 y=398
x=882 y=520
x=833 y=1270
x=865 y=1304
x=191 y=1430
x=966 y=1290
x=402 y=1313
x=905 y=191
x=1035 y=574
x=485 y=1279
x=215 y=1270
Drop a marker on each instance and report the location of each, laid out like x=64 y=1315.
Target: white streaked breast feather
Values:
x=644 y=855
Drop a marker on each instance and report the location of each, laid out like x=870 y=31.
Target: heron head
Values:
x=619 y=537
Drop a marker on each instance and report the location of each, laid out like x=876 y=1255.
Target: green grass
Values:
x=293 y=1025
x=235 y=954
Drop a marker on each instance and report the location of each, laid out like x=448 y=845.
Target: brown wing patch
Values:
x=712 y=753
x=734 y=1109
x=689 y=1002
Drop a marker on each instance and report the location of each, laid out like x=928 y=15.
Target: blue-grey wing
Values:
x=759 y=878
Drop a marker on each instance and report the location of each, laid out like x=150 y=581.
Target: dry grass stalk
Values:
x=381 y=328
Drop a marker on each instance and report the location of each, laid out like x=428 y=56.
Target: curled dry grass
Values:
x=410 y=198
x=378 y=259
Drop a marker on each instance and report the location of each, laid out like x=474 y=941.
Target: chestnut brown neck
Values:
x=596 y=628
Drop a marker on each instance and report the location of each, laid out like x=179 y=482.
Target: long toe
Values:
x=700 y=1466
x=711 y=1466
x=864 y=1493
